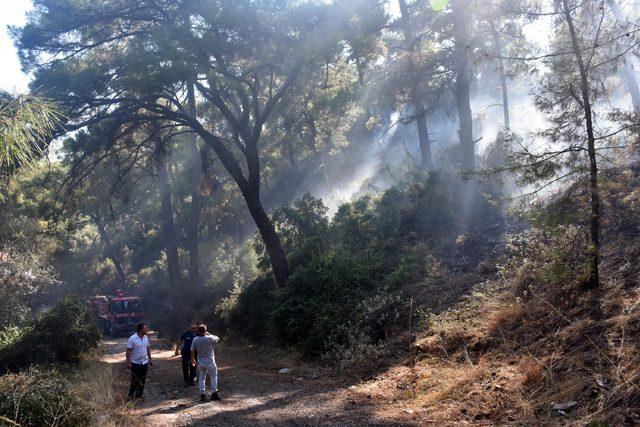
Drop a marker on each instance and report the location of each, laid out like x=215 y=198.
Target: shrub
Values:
x=304 y=221
x=360 y=344
x=252 y=315
x=357 y=352
x=9 y=335
x=411 y=268
x=544 y=257
x=41 y=398
x=383 y=316
x=319 y=298
x=61 y=335
x=342 y=269
x=22 y=277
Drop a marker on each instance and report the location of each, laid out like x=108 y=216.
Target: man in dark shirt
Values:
x=184 y=346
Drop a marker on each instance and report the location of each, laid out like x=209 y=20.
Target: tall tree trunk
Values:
x=416 y=97
x=249 y=184
x=251 y=194
x=360 y=69
x=166 y=213
x=111 y=251
x=250 y=189
x=594 y=279
x=502 y=75
x=629 y=71
x=423 y=135
x=313 y=131
x=463 y=84
x=209 y=178
x=193 y=222
x=287 y=144
x=269 y=236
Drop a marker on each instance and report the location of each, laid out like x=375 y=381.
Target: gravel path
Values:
x=253 y=393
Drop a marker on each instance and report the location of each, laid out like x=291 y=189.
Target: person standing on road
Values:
x=188 y=370
x=203 y=346
x=138 y=360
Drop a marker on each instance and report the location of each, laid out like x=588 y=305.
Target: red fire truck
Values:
x=117 y=314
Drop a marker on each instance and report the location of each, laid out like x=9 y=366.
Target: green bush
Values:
x=61 y=335
x=252 y=315
x=319 y=298
x=40 y=398
x=9 y=335
x=342 y=269
x=410 y=268
x=302 y=228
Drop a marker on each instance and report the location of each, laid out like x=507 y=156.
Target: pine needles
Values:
x=27 y=122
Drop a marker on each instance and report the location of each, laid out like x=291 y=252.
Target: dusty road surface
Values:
x=253 y=393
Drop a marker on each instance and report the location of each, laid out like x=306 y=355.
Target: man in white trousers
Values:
x=203 y=346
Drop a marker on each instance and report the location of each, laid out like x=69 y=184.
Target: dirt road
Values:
x=253 y=392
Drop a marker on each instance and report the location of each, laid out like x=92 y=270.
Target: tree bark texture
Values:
x=502 y=76
x=195 y=171
x=594 y=278
x=166 y=213
x=463 y=84
x=416 y=97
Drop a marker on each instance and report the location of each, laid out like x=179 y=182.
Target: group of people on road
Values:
x=198 y=359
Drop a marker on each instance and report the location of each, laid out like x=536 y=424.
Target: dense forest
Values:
x=437 y=199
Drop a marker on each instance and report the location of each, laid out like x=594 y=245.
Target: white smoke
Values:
x=336 y=190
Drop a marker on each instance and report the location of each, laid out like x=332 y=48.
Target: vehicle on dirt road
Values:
x=117 y=314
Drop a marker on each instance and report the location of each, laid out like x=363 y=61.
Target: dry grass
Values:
x=94 y=384
x=536 y=337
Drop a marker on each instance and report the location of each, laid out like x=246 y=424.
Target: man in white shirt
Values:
x=203 y=346
x=138 y=360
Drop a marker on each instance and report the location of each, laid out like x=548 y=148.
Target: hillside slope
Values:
x=532 y=345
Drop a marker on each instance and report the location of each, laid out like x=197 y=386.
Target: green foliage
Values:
x=438 y=5
x=549 y=257
x=26 y=123
x=27 y=246
x=252 y=312
x=63 y=334
x=9 y=335
x=319 y=298
x=297 y=226
x=39 y=397
x=22 y=277
x=348 y=273
x=410 y=269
